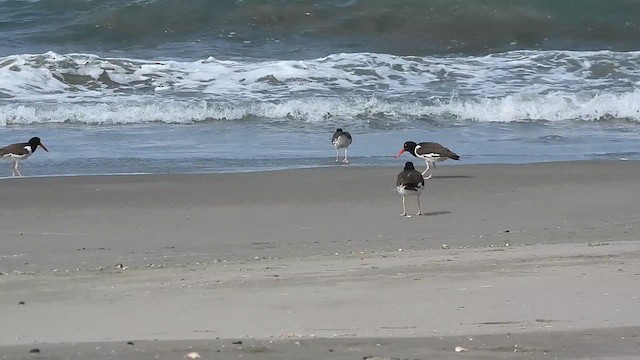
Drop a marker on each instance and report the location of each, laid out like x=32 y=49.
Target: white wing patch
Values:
x=404 y=191
x=428 y=156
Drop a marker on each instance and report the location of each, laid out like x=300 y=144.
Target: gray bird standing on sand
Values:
x=341 y=140
x=430 y=152
x=20 y=151
x=410 y=182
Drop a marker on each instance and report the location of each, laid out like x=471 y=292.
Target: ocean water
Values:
x=173 y=86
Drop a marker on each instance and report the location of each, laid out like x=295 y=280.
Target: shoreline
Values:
x=397 y=164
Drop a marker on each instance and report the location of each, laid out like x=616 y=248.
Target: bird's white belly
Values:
x=341 y=142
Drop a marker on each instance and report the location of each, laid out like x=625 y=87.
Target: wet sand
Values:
x=529 y=261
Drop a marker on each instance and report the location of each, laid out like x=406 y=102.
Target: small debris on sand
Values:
x=193 y=355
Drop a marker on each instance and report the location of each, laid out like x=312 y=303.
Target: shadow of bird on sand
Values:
x=436 y=213
x=452 y=177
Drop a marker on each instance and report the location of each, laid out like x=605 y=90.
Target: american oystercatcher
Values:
x=20 y=151
x=430 y=152
x=341 y=140
x=409 y=182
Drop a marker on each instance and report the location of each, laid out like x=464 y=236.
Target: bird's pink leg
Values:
x=345 y=156
x=427 y=171
x=14 y=168
x=419 y=208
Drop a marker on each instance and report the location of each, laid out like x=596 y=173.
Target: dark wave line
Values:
x=416 y=27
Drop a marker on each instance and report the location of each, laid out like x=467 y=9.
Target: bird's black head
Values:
x=338 y=130
x=408 y=166
x=34 y=142
x=409 y=146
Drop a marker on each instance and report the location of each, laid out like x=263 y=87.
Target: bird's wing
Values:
x=410 y=179
x=334 y=138
x=14 y=149
x=435 y=150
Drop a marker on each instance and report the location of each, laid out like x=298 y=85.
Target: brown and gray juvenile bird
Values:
x=20 y=151
x=341 y=140
x=409 y=182
x=430 y=152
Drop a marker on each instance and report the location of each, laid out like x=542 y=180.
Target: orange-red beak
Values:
x=400 y=153
x=42 y=146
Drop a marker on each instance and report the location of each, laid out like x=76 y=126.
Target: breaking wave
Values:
x=512 y=108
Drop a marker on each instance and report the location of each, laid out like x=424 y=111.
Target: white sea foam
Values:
x=79 y=76
x=515 y=86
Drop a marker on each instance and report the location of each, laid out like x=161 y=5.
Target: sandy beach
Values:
x=535 y=261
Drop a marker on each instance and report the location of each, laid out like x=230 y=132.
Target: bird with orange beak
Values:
x=20 y=151
x=430 y=152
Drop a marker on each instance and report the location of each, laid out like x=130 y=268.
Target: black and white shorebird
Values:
x=409 y=182
x=430 y=152
x=341 y=140
x=20 y=151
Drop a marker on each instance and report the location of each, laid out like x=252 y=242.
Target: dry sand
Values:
x=511 y=261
